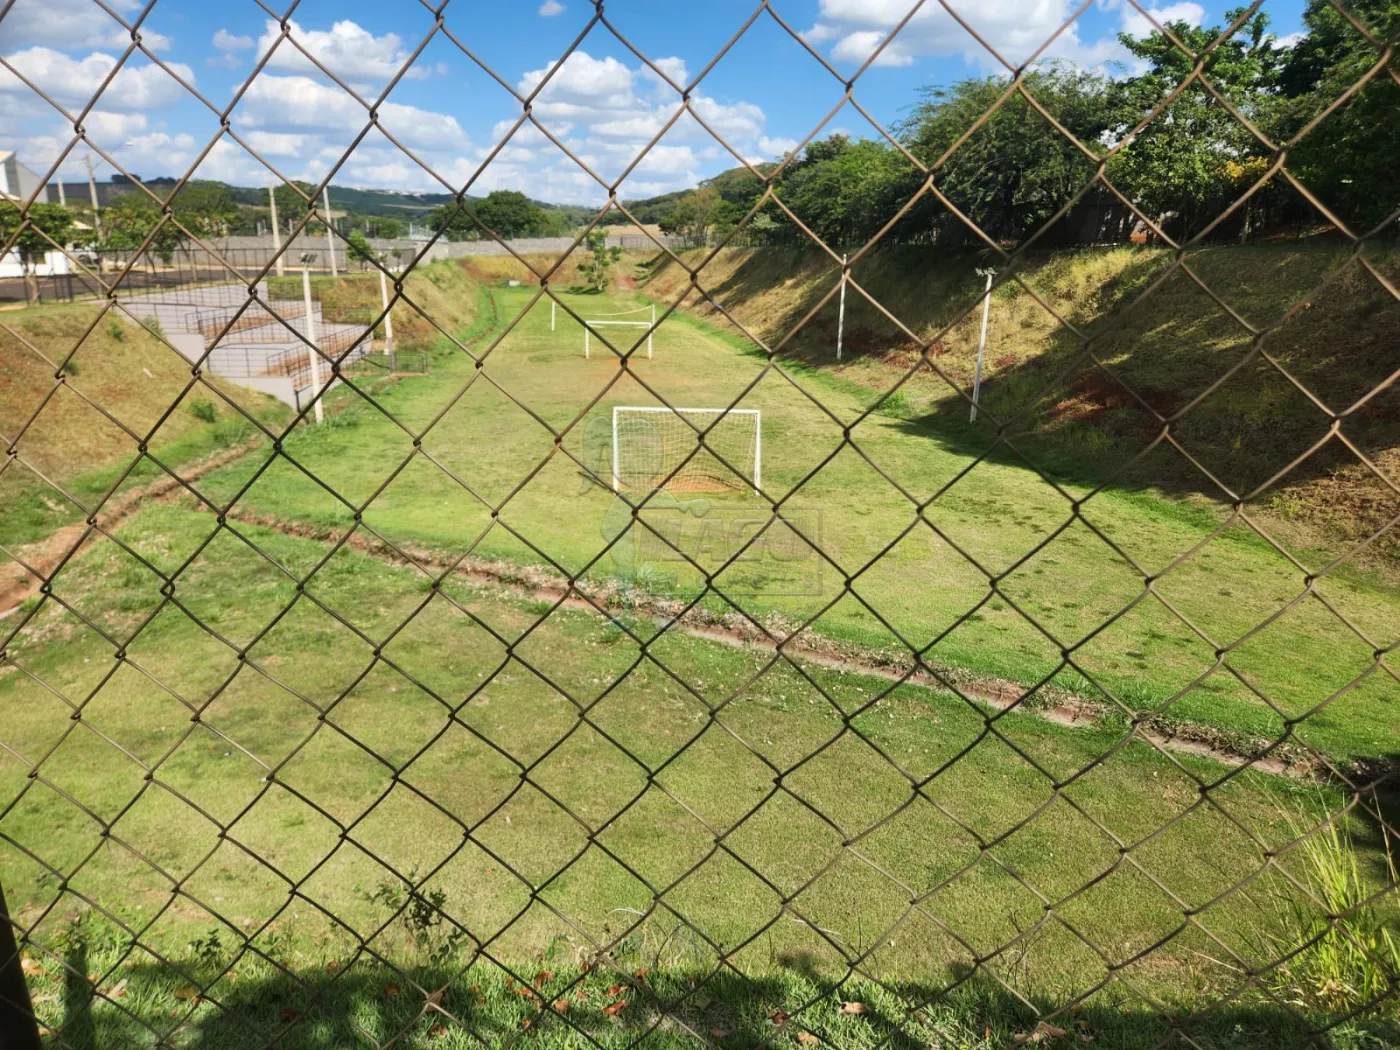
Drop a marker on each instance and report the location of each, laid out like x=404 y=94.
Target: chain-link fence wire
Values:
x=1253 y=978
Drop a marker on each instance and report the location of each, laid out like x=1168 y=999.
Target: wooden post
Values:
x=17 y=1023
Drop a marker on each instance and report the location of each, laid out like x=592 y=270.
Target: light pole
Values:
x=982 y=341
x=388 y=314
x=330 y=239
x=311 y=353
x=276 y=233
x=841 y=316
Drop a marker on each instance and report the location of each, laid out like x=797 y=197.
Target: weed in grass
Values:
x=153 y=325
x=231 y=430
x=1349 y=937
x=116 y=331
x=202 y=409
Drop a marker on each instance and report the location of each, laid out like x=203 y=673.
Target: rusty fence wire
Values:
x=439 y=1008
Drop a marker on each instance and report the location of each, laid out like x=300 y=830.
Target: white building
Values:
x=17 y=184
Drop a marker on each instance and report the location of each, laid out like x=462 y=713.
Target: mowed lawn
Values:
x=553 y=790
x=1231 y=633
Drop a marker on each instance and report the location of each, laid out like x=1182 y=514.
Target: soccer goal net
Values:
x=662 y=447
x=611 y=321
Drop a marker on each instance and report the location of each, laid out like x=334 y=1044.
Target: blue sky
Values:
x=767 y=94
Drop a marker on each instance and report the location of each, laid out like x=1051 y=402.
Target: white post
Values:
x=388 y=318
x=651 y=331
x=758 y=455
x=553 y=309
x=587 y=340
x=841 y=320
x=276 y=233
x=982 y=342
x=61 y=199
x=330 y=240
x=315 y=358
x=616 y=486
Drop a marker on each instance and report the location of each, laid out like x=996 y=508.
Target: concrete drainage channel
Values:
x=265 y=347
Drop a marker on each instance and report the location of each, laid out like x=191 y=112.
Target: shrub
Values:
x=153 y=325
x=202 y=409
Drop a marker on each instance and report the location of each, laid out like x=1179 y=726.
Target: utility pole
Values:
x=61 y=199
x=982 y=342
x=388 y=314
x=330 y=238
x=312 y=355
x=276 y=233
x=92 y=191
x=841 y=319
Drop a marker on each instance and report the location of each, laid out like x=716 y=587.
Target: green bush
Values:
x=202 y=409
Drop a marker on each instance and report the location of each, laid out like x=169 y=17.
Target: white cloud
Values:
x=300 y=104
x=74 y=81
x=1016 y=30
x=776 y=147
x=1135 y=24
x=550 y=8
x=347 y=49
x=71 y=24
x=226 y=41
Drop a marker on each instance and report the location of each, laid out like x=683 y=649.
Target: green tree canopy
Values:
x=506 y=213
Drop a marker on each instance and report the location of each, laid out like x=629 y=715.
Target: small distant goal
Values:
x=661 y=448
x=592 y=324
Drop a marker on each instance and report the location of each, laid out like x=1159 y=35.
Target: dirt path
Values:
x=44 y=556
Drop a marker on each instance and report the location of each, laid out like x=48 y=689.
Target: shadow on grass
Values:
x=373 y=1006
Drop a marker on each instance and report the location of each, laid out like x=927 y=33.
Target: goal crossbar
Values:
x=675 y=452
x=590 y=324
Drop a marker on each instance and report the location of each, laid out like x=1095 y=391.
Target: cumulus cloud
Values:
x=71 y=24
x=73 y=81
x=292 y=104
x=346 y=49
x=226 y=41
x=550 y=8
x=855 y=28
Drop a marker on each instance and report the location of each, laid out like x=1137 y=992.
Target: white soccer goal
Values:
x=607 y=321
x=648 y=444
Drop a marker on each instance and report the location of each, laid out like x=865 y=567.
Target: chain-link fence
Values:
x=401 y=718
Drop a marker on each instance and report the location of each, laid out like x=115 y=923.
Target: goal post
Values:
x=606 y=321
x=661 y=447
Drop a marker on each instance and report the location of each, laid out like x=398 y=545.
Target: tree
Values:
x=131 y=220
x=48 y=225
x=597 y=271
x=505 y=213
x=1193 y=161
x=360 y=248
x=292 y=205
x=695 y=216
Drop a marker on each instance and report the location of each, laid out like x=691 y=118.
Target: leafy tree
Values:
x=127 y=223
x=597 y=271
x=1017 y=169
x=206 y=209
x=48 y=225
x=1352 y=159
x=845 y=192
x=291 y=205
x=1195 y=159
x=360 y=248
x=506 y=213
x=695 y=216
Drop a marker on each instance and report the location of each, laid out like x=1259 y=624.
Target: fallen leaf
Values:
x=437 y=1031
x=390 y=991
x=719 y=1033
x=474 y=988
x=525 y=993
x=509 y=980
x=580 y=995
x=543 y=978
x=29 y=966
x=188 y=992
x=525 y=1022
x=1051 y=1030
x=807 y=1037
x=641 y=975
x=852 y=1008
x=561 y=1006
x=118 y=991
x=778 y=1017
x=617 y=989
x=1086 y=1038
x=287 y=1015
x=615 y=1009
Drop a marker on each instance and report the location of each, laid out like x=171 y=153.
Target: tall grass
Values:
x=1351 y=954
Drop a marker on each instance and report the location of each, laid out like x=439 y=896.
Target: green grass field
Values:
x=275 y=762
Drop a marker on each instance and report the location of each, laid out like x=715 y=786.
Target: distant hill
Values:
x=737 y=184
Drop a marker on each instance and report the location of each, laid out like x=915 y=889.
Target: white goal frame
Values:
x=589 y=325
x=757 y=436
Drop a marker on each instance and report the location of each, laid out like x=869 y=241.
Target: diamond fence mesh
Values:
x=287 y=770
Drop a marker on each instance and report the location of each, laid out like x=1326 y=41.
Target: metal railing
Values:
x=332 y=859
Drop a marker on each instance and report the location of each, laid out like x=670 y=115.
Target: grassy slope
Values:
x=129 y=373
x=921 y=587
